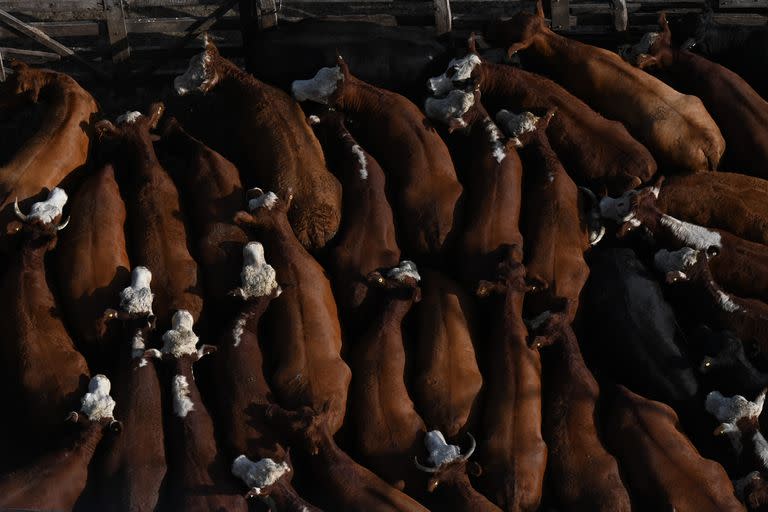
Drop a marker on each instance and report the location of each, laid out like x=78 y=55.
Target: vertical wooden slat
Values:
x=117 y=33
x=267 y=13
x=2 y=68
x=560 y=14
x=443 y=19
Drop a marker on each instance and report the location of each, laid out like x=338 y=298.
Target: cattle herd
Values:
x=540 y=289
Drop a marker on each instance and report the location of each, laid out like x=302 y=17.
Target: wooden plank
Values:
x=266 y=10
x=60 y=29
x=117 y=32
x=742 y=4
x=170 y=3
x=20 y=52
x=2 y=67
x=42 y=38
x=177 y=25
x=50 y=5
x=560 y=13
x=442 y=16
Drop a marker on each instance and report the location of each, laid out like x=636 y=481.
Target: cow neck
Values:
x=31 y=256
x=248 y=318
x=397 y=304
x=274 y=230
x=552 y=49
x=496 y=79
x=184 y=366
x=541 y=161
x=286 y=498
x=232 y=82
x=85 y=445
x=650 y=217
x=131 y=329
x=361 y=97
x=140 y=153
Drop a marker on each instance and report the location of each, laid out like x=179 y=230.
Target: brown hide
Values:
x=676 y=128
x=157 y=235
x=263 y=131
x=555 y=229
x=92 y=263
x=199 y=476
x=133 y=466
x=421 y=179
x=38 y=361
x=581 y=473
x=59 y=146
x=512 y=452
x=595 y=150
x=55 y=481
x=739 y=111
x=366 y=239
x=211 y=193
x=661 y=466
x=387 y=430
x=453 y=491
x=342 y=483
x=302 y=322
x=446 y=380
x=243 y=397
x=729 y=201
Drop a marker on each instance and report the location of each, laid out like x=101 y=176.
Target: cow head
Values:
x=97 y=406
x=135 y=311
x=632 y=208
x=519 y=32
x=546 y=328
x=201 y=75
x=263 y=208
x=132 y=124
x=523 y=128
x=654 y=49
x=404 y=277
x=458 y=75
x=447 y=463
x=22 y=87
x=739 y=420
x=676 y=265
x=43 y=222
x=258 y=278
x=304 y=425
x=595 y=226
x=260 y=475
x=325 y=86
x=510 y=276
x=455 y=109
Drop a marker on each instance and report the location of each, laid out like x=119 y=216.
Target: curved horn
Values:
x=599 y=236
x=16 y=209
x=254 y=193
x=589 y=193
x=422 y=467
x=72 y=416
x=63 y=225
x=472 y=446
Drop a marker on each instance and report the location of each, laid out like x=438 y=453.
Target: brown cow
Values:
x=740 y=266
x=92 y=264
x=262 y=130
x=199 y=480
x=157 y=234
x=210 y=190
x=38 y=361
x=243 y=392
x=60 y=144
x=581 y=472
x=366 y=240
x=446 y=378
x=739 y=111
x=514 y=455
x=676 y=128
x=595 y=150
x=383 y=422
x=342 y=483
x=56 y=480
x=133 y=466
x=303 y=322
x=493 y=186
x=421 y=180
x=661 y=466
x=450 y=480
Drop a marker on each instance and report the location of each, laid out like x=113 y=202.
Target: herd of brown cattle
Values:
x=388 y=311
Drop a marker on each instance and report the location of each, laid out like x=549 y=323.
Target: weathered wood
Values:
x=267 y=13
x=60 y=29
x=117 y=32
x=742 y=4
x=560 y=12
x=2 y=67
x=20 y=52
x=50 y=5
x=442 y=16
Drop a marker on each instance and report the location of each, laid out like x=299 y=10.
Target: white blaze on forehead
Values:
x=238 y=330
x=129 y=117
x=268 y=201
x=260 y=474
x=617 y=209
x=46 y=211
x=730 y=409
x=96 y=403
x=138 y=297
x=137 y=344
x=515 y=125
x=258 y=278
x=691 y=235
x=180 y=340
x=675 y=261
x=495 y=137
x=406 y=268
x=440 y=452
x=181 y=402
x=360 y=154
x=453 y=106
x=318 y=88
x=459 y=70
x=198 y=77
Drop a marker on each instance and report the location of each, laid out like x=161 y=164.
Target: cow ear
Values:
x=516 y=47
x=244 y=219
x=539 y=9
x=13 y=227
x=343 y=66
x=666 y=34
x=116 y=427
x=105 y=128
x=156 y=111
x=645 y=61
x=474 y=469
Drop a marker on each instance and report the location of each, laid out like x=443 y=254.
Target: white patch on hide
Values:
x=180 y=340
x=197 y=77
x=137 y=345
x=499 y=152
x=675 y=261
x=729 y=410
x=406 y=268
x=515 y=125
x=257 y=278
x=360 y=154
x=691 y=235
x=440 y=452
x=237 y=331
x=617 y=209
x=129 y=117
x=138 y=297
x=267 y=200
x=726 y=302
x=462 y=71
x=260 y=474
x=181 y=402
x=318 y=88
x=46 y=211
x=96 y=403
x=453 y=106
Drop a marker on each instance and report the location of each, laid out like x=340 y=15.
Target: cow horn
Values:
x=472 y=447
x=72 y=416
x=424 y=468
x=62 y=226
x=595 y=238
x=16 y=209
x=589 y=193
x=254 y=193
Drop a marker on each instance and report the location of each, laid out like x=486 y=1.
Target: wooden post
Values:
x=117 y=33
x=2 y=68
x=561 y=14
x=443 y=20
x=267 y=13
